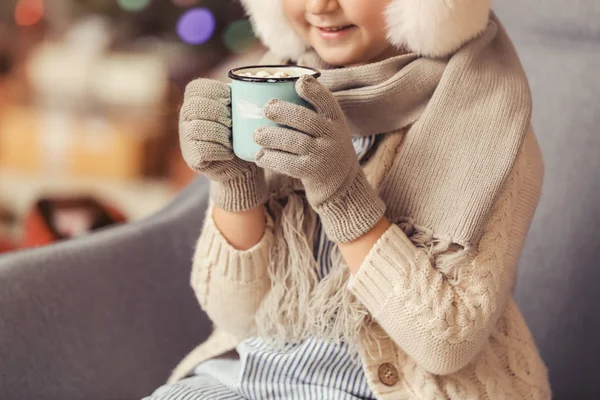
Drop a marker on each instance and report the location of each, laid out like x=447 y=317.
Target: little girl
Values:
x=370 y=251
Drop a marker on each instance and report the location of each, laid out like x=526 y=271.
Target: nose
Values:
x=322 y=6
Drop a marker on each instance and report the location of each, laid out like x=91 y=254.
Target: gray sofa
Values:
x=108 y=316
x=559 y=44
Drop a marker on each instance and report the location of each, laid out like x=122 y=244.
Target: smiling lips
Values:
x=335 y=28
x=334 y=32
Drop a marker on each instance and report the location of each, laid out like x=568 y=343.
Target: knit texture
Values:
x=445 y=319
x=467 y=117
x=471 y=114
x=315 y=146
x=460 y=179
x=308 y=370
x=463 y=324
x=205 y=141
x=222 y=272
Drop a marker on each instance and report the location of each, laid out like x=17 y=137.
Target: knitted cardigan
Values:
x=447 y=328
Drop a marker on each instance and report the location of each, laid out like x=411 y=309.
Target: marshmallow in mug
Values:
x=275 y=74
x=265 y=74
x=251 y=88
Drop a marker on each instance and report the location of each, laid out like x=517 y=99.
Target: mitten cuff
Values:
x=353 y=212
x=242 y=193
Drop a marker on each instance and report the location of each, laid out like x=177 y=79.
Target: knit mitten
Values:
x=318 y=150
x=205 y=139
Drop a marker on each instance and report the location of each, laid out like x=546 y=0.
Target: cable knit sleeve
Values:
x=438 y=302
x=229 y=283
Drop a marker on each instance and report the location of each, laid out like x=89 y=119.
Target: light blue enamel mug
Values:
x=249 y=94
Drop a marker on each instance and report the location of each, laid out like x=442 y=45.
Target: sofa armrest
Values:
x=106 y=316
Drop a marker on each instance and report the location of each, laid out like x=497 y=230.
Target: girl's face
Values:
x=342 y=32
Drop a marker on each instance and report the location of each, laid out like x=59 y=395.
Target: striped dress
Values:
x=313 y=369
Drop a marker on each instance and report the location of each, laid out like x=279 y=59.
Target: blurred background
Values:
x=89 y=96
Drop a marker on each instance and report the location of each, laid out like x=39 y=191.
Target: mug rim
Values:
x=232 y=75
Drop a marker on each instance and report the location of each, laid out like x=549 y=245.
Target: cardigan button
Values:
x=388 y=374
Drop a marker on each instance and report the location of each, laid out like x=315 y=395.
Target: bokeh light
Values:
x=238 y=37
x=29 y=12
x=133 y=5
x=196 y=26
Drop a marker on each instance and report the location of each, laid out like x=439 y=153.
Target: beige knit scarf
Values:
x=466 y=118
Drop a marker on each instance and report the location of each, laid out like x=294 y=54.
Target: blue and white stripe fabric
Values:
x=362 y=145
x=313 y=369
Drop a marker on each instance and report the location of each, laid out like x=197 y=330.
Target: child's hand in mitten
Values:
x=316 y=147
x=205 y=139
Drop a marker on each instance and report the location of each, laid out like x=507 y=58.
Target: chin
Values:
x=340 y=58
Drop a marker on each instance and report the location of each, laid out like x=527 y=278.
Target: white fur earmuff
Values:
x=433 y=28
x=272 y=27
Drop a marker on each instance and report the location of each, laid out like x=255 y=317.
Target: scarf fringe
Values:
x=299 y=305
x=443 y=253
